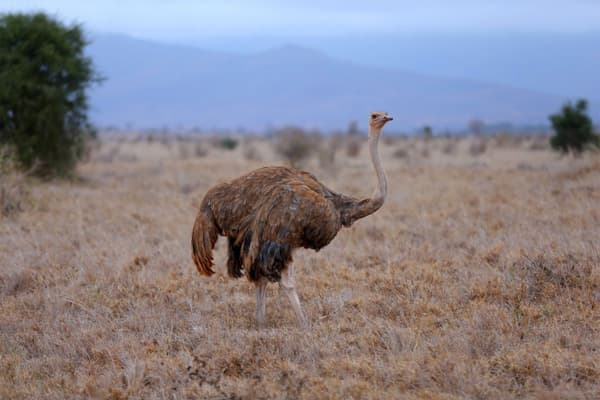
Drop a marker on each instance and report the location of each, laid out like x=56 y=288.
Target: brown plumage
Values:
x=268 y=212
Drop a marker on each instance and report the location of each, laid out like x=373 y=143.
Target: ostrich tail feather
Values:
x=204 y=236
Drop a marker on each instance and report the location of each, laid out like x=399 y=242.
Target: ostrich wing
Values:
x=291 y=214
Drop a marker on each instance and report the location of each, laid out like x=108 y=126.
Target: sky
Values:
x=548 y=46
x=187 y=20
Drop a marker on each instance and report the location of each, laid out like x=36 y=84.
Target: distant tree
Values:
x=44 y=76
x=427 y=132
x=353 y=129
x=476 y=126
x=573 y=128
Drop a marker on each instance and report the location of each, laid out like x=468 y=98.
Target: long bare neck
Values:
x=381 y=189
x=369 y=206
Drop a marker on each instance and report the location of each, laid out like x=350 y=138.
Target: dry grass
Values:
x=475 y=280
x=13 y=187
x=13 y=193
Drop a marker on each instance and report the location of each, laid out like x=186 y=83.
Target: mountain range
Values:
x=151 y=84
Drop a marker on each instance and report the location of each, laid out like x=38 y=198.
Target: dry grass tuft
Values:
x=18 y=282
x=251 y=153
x=473 y=281
x=449 y=147
x=353 y=147
x=401 y=153
x=13 y=193
x=546 y=275
x=540 y=142
x=478 y=146
x=200 y=149
x=13 y=187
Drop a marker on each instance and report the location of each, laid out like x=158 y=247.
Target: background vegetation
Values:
x=44 y=75
x=573 y=128
x=479 y=278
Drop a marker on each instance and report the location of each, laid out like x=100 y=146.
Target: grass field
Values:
x=479 y=278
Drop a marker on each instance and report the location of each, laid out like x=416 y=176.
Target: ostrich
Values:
x=269 y=212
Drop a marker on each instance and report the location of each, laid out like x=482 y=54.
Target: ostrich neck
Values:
x=366 y=207
x=381 y=189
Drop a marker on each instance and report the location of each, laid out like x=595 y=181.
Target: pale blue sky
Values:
x=185 y=20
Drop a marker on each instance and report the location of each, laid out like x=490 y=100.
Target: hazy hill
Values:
x=151 y=85
x=565 y=64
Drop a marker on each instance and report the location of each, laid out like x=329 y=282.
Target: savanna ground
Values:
x=479 y=278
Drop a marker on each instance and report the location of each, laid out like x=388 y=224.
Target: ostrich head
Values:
x=378 y=119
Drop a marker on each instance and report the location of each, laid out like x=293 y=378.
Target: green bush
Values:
x=227 y=143
x=44 y=76
x=573 y=128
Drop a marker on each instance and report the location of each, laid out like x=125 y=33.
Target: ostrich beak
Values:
x=388 y=118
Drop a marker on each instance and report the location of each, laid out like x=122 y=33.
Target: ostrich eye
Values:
x=373 y=116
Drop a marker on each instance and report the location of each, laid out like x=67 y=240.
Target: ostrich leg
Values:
x=261 y=291
x=288 y=285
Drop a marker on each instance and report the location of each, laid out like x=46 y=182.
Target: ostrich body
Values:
x=269 y=212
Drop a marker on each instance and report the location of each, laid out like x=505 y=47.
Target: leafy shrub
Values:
x=294 y=145
x=573 y=128
x=44 y=76
x=227 y=143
